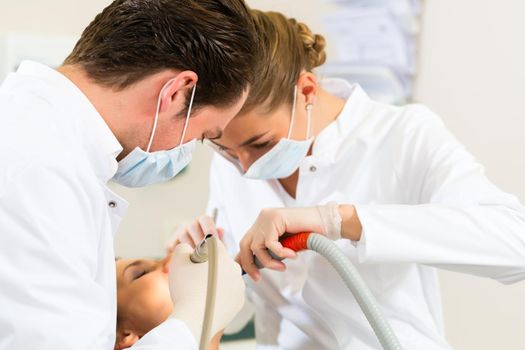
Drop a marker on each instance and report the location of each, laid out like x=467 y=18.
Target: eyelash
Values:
x=261 y=145
x=142 y=273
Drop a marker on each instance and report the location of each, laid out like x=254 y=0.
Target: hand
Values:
x=188 y=286
x=194 y=233
x=271 y=224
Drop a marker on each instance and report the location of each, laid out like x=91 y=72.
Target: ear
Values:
x=174 y=92
x=307 y=87
x=126 y=339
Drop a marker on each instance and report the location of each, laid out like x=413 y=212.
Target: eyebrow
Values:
x=135 y=263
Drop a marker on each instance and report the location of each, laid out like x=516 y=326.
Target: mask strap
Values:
x=157 y=115
x=158 y=110
x=293 y=111
x=188 y=114
x=309 y=108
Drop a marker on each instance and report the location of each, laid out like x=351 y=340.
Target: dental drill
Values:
x=299 y=242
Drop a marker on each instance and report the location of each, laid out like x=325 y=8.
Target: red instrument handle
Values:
x=296 y=242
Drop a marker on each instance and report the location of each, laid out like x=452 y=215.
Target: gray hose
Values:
x=358 y=287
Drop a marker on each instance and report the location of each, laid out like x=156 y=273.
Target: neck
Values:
x=115 y=107
x=326 y=110
x=99 y=96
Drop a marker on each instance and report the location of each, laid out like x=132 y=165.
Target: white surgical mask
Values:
x=286 y=156
x=141 y=168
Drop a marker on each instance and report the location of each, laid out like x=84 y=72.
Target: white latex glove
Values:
x=188 y=282
x=271 y=224
x=195 y=232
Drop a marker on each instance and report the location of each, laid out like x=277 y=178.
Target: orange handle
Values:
x=296 y=242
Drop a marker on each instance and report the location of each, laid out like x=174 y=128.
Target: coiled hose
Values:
x=353 y=281
x=335 y=257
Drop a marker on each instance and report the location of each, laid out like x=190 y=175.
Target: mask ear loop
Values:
x=309 y=108
x=157 y=115
x=188 y=114
x=293 y=111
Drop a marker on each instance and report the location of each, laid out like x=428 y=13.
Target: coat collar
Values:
x=356 y=107
x=100 y=145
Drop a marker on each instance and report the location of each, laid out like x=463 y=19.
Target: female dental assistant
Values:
x=395 y=190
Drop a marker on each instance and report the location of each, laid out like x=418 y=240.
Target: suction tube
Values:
x=351 y=278
x=298 y=242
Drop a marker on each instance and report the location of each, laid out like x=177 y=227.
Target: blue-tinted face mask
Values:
x=286 y=156
x=141 y=168
x=283 y=159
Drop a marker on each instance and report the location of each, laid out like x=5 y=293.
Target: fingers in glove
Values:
x=277 y=248
x=247 y=261
x=267 y=261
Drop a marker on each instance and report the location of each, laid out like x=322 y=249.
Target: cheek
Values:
x=153 y=301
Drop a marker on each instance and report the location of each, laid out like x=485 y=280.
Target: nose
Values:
x=245 y=160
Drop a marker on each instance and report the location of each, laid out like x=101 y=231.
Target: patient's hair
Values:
x=284 y=49
x=132 y=39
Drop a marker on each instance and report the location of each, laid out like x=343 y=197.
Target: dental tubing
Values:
x=352 y=279
x=299 y=242
x=207 y=251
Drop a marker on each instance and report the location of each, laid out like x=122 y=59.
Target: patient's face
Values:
x=143 y=295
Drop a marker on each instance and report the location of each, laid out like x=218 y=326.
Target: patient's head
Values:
x=143 y=298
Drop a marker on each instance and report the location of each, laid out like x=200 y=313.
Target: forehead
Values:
x=258 y=119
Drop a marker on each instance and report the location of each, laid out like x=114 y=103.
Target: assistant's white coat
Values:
x=424 y=202
x=57 y=220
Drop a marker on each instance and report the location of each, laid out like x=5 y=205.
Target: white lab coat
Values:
x=423 y=201
x=57 y=220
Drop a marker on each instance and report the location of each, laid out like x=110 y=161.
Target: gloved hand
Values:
x=273 y=223
x=194 y=233
x=188 y=285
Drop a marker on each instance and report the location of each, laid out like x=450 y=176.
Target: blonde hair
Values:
x=284 y=49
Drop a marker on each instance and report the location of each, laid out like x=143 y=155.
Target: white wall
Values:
x=471 y=73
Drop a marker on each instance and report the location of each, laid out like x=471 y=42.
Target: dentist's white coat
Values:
x=424 y=202
x=57 y=221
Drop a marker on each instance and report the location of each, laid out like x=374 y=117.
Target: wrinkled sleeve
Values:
x=458 y=219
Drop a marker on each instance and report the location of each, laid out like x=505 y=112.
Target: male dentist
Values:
x=144 y=82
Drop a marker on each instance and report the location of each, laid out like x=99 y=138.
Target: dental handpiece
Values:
x=200 y=254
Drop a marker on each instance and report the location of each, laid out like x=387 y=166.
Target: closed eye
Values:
x=262 y=144
x=139 y=273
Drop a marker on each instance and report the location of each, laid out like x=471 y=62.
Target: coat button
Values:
x=313 y=168
x=112 y=204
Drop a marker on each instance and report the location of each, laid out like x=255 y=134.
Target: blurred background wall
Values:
x=470 y=71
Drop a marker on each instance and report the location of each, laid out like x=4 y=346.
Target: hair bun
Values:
x=314 y=45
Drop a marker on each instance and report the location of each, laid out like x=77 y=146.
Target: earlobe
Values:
x=126 y=339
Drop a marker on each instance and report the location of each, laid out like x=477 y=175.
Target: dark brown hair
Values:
x=284 y=49
x=131 y=39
